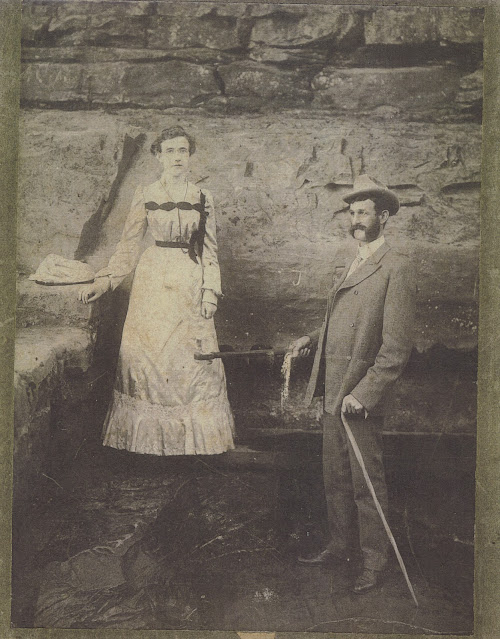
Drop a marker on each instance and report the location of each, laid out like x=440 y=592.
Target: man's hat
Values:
x=365 y=186
x=56 y=269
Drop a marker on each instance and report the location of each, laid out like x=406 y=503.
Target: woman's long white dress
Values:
x=165 y=402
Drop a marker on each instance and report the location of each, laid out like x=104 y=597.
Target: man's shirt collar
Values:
x=367 y=250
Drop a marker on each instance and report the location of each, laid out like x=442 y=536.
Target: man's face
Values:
x=174 y=156
x=366 y=225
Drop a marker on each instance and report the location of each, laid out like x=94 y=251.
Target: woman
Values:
x=165 y=402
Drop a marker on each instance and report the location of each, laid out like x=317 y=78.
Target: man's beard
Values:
x=370 y=233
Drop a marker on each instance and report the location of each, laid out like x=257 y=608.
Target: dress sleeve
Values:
x=127 y=253
x=210 y=262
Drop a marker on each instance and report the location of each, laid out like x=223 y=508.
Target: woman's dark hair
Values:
x=169 y=134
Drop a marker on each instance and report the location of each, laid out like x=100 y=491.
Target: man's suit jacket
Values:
x=366 y=337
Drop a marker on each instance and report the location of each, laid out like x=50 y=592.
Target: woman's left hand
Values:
x=208 y=309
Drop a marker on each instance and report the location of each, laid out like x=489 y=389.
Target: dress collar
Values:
x=161 y=193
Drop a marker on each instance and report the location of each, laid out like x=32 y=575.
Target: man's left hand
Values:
x=351 y=405
x=208 y=309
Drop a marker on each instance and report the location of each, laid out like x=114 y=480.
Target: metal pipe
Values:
x=270 y=352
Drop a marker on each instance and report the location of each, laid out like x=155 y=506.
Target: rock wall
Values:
x=288 y=104
x=246 y=57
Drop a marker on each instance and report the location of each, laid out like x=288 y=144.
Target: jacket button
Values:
x=355 y=292
x=351 y=325
x=348 y=358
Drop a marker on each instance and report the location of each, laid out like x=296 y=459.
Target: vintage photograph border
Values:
x=487 y=541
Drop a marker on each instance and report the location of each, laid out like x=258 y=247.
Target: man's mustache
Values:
x=358 y=227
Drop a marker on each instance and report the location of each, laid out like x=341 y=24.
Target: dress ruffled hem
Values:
x=200 y=428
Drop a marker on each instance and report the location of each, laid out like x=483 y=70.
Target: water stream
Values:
x=286 y=370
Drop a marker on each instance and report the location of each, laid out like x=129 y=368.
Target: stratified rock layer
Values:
x=251 y=57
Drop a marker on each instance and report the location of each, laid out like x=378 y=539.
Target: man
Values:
x=361 y=350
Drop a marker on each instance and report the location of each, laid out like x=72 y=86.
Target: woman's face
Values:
x=174 y=156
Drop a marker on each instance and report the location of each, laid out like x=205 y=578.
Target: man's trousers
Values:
x=347 y=495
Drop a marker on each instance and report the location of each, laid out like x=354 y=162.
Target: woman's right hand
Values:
x=301 y=347
x=92 y=292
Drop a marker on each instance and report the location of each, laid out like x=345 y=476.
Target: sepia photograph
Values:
x=246 y=349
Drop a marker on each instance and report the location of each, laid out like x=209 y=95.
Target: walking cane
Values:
x=359 y=457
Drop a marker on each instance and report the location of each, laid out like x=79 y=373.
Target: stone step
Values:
x=244 y=455
x=51 y=306
x=272 y=433
x=43 y=358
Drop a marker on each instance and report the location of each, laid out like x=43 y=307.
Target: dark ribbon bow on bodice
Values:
x=197 y=237
x=170 y=206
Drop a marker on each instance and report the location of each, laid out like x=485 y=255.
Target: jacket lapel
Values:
x=345 y=263
x=338 y=281
x=343 y=275
x=366 y=269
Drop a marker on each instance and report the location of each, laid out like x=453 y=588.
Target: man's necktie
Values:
x=356 y=262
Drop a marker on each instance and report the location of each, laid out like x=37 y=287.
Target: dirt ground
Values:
x=119 y=540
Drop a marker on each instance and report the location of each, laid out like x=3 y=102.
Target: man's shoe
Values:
x=366 y=581
x=325 y=558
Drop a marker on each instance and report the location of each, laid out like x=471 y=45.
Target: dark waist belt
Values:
x=183 y=245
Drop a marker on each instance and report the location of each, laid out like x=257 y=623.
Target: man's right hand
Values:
x=301 y=347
